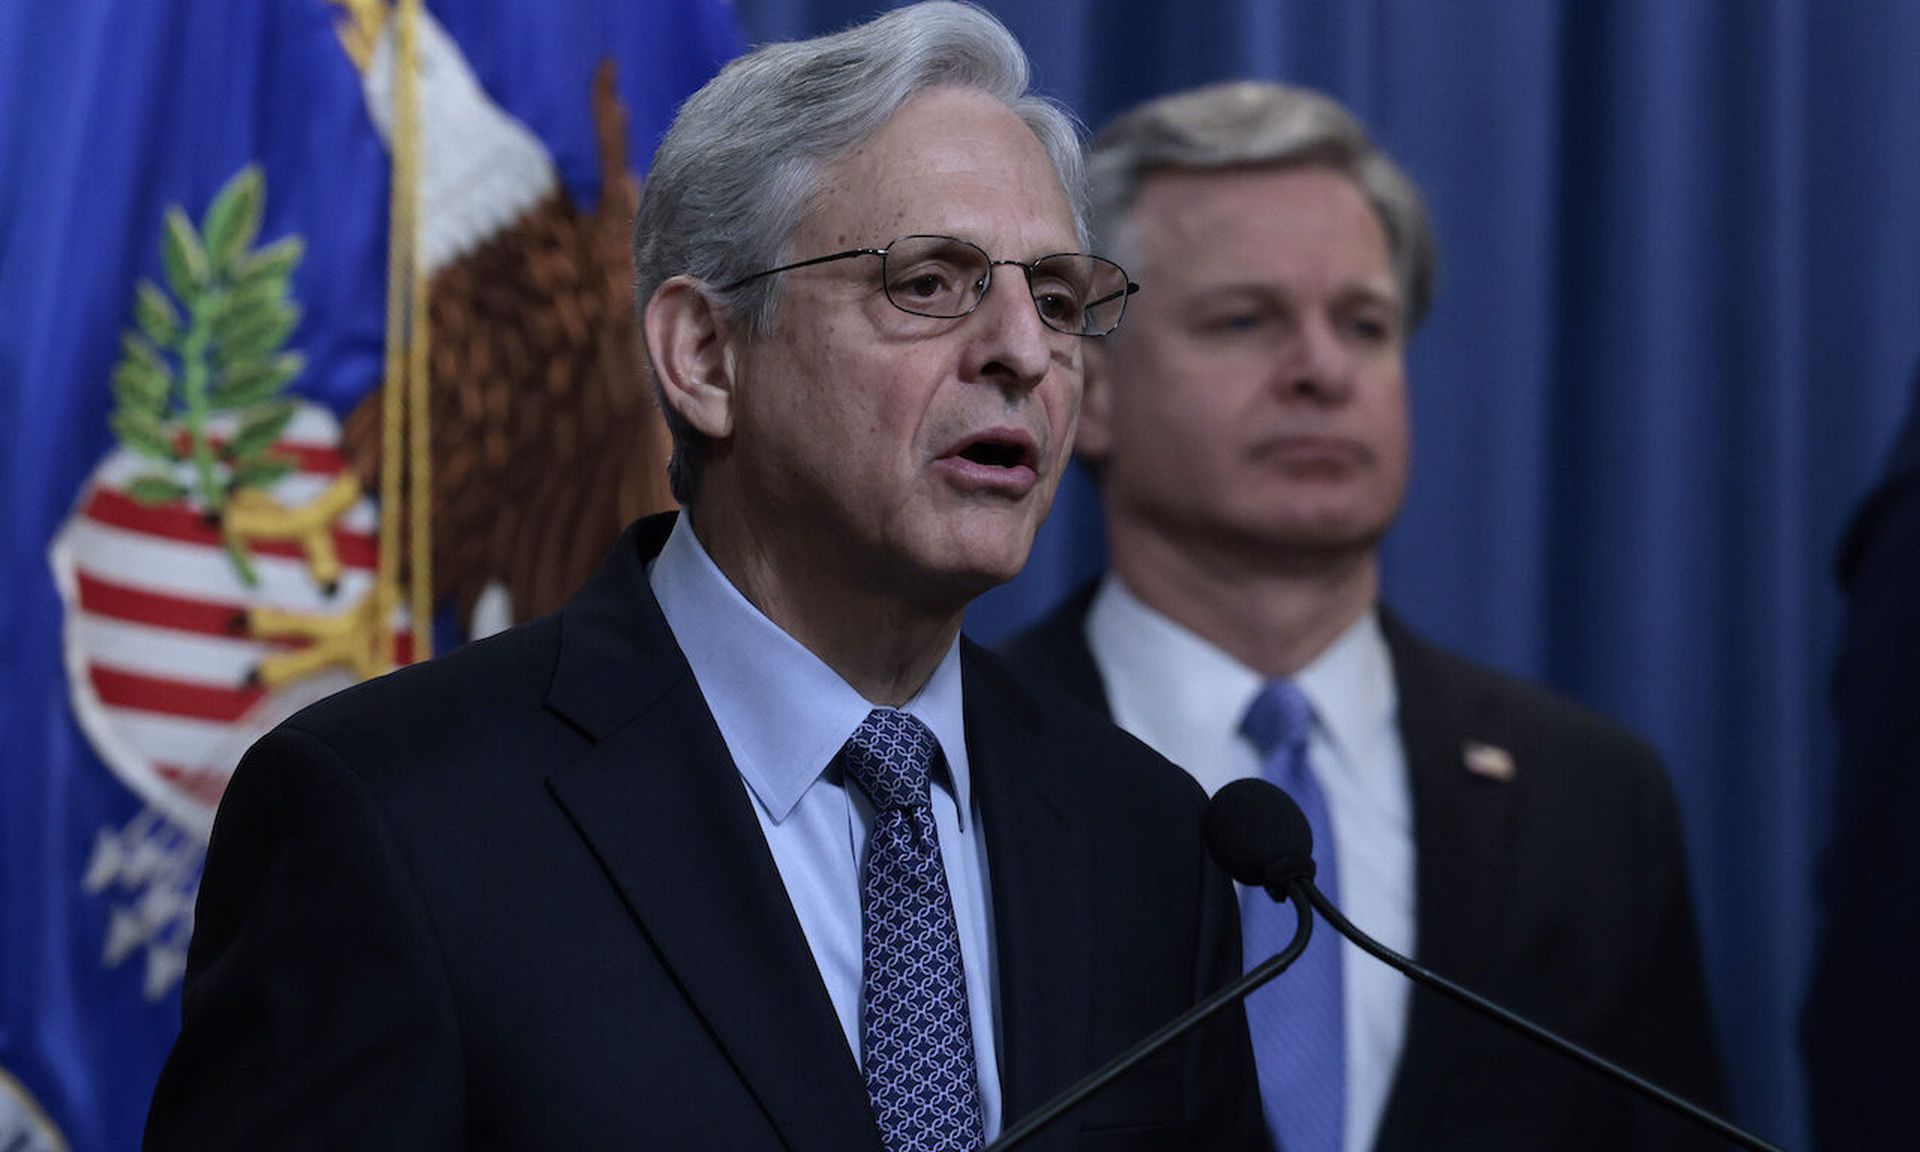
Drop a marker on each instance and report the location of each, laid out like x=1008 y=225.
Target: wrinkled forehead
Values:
x=1235 y=216
x=949 y=162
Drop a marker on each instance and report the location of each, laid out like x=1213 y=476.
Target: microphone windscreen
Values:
x=1258 y=834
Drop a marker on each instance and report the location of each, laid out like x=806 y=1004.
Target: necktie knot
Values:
x=891 y=757
x=1279 y=719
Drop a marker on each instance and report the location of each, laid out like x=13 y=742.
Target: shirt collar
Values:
x=1192 y=684
x=783 y=713
x=1350 y=684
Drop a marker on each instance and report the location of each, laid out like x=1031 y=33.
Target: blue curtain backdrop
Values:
x=1679 y=302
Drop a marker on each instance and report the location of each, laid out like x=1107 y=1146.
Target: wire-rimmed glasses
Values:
x=945 y=277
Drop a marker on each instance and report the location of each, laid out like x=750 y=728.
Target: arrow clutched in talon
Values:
x=252 y=515
x=353 y=638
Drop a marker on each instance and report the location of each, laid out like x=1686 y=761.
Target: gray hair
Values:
x=1257 y=124
x=745 y=160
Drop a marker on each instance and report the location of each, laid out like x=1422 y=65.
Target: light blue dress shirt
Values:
x=785 y=716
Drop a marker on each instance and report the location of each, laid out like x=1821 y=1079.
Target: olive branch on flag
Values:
x=212 y=346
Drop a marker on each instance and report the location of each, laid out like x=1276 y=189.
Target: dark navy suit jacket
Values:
x=1862 y=1025
x=1560 y=893
x=517 y=898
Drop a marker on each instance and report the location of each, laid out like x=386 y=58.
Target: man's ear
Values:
x=1094 y=439
x=689 y=342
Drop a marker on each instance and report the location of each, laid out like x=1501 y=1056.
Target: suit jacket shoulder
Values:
x=1052 y=656
x=1503 y=710
x=1551 y=877
x=412 y=727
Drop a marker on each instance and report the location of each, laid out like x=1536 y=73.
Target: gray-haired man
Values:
x=745 y=849
x=1249 y=429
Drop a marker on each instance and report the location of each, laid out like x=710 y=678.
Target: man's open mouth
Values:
x=997 y=453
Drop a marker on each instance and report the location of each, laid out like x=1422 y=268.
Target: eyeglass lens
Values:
x=945 y=277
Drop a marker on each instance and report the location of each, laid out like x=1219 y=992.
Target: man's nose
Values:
x=1010 y=344
x=1318 y=364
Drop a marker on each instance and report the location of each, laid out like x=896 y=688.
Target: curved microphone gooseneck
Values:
x=1254 y=830
x=1297 y=846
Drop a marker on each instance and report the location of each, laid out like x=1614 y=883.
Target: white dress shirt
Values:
x=1185 y=697
x=785 y=716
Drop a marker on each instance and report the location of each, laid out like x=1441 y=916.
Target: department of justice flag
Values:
x=195 y=326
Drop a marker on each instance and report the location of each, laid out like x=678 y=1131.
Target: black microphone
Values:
x=1256 y=833
x=1295 y=851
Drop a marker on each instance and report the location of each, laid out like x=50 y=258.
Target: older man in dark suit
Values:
x=746 y=849
x=1249 y=430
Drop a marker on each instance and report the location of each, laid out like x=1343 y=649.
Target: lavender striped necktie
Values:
x=1297 y=1021
x=916 y=1036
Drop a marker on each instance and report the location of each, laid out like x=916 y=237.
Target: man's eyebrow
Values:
x=1233 y=290
x=1371 y=290
x=1383 y=296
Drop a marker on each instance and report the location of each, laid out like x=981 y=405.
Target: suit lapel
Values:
x=1463 y=820
x=660 y=803
x=1463 y=826
x=1055 y=651
x=1037 y=869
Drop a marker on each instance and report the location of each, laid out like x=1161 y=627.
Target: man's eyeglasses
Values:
x=946 y=278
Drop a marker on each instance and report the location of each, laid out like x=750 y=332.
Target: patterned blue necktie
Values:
x=915 y=1033
x=1299 y=1032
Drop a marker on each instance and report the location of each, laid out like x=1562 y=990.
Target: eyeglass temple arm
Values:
x=880 y=252
x=1110 y=297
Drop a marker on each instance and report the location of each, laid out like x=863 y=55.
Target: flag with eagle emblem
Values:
x=195 y=207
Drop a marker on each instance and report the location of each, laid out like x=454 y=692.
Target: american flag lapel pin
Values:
x=1488 y=760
